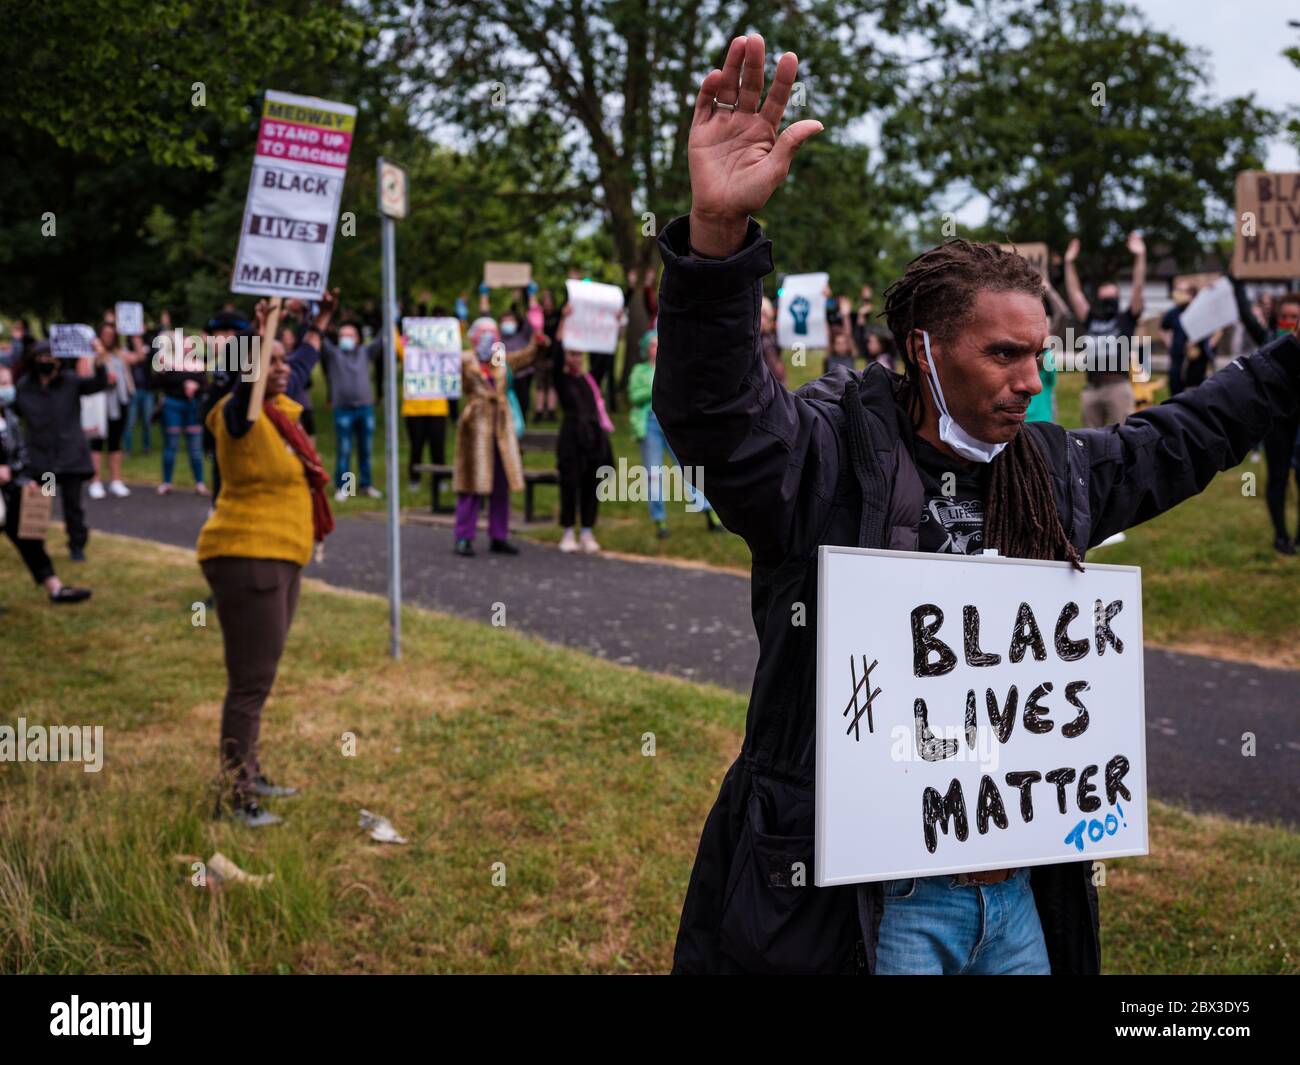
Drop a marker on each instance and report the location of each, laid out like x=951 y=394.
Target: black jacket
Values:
x=52 y=420
x=832 y=464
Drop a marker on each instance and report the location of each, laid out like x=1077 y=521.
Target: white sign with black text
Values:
x=975 y=712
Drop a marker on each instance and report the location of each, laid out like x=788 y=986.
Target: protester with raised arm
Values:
x=1108 y=394
x=858 y=459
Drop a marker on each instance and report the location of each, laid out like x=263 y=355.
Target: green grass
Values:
x=1211 y=577
x=482 y=746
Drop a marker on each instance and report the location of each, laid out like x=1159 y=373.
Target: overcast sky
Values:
x=1244 y=39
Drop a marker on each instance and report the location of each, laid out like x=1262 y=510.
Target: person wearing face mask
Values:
x=1281 y=443
x=347 y=368
x=14 y=475
x=48 y=399
x=1108 y=394
x=858 y=459
x=488 y=462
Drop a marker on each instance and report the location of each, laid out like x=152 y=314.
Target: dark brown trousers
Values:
x=256 y=599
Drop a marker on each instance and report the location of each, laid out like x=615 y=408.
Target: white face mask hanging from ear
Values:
x=950 y=432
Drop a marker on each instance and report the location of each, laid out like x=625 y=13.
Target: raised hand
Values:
x=1072 y=251
x=736 y=157
x=1136 y=245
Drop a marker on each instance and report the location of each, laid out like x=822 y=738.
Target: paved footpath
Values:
x=695 y=623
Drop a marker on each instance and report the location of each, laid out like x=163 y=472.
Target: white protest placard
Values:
x=129 y=318
x=287 y=236
x=801 y=311
x=431 y=358
x=94 y=415
x=72 y=341
x=1212 y=308
x=597 y=314
x=975 y=712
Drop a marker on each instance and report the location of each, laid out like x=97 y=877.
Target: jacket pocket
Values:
x=774 y=919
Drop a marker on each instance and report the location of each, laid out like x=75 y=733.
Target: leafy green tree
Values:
x=1079 y=119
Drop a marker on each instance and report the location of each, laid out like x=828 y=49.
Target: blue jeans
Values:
x=182 y=415
x=347 y=421
x=140 y=412
x=653 y=449
x=935 y=926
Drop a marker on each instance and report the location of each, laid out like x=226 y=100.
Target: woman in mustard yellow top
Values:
x=271 y=510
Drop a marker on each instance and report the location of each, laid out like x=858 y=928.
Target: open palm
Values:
x=737 y=159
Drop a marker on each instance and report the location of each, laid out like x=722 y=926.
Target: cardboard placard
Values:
x=431 y=358
x=1037 y=253
x=801 y=311
x=1267 y=225
x=507 y=275
x=287 y=236
x=975 y=712
x=130 y=319
x=34 y=513
x=72 y=341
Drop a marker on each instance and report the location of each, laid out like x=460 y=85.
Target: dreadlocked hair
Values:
x=1020 y=516
x=936 y=293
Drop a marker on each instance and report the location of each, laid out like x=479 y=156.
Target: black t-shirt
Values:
x=952 y=521
x=1124 y=324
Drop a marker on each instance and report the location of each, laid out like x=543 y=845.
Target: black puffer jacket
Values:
x=832 y=464
x=52 y=420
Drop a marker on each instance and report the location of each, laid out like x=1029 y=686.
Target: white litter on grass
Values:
x=222 y=870
x=1117 y=538
x=381 y=829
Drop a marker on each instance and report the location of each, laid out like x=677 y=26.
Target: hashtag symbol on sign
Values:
x=859 y=686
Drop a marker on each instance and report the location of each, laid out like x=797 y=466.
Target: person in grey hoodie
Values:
x=347 y=366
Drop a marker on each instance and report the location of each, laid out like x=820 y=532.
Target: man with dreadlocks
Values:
x=860 y=459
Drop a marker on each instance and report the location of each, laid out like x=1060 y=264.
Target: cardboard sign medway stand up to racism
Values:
x=975 y=712
x=287 y=236
x=292 y=208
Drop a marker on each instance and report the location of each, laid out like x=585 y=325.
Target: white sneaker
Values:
x=568 y=542
x=589 y=545
x=96 y=490
x=340 y=495
x=118 y=489
x=373 y=492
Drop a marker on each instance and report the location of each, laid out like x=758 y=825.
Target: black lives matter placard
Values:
x=1268 y=225
x=975 y=713
x=292 y=209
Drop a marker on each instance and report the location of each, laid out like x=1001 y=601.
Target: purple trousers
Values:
x=467 y=506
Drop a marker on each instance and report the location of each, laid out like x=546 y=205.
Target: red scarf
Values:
x=322 y=520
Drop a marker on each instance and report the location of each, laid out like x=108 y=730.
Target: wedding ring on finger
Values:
x=718 y=103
